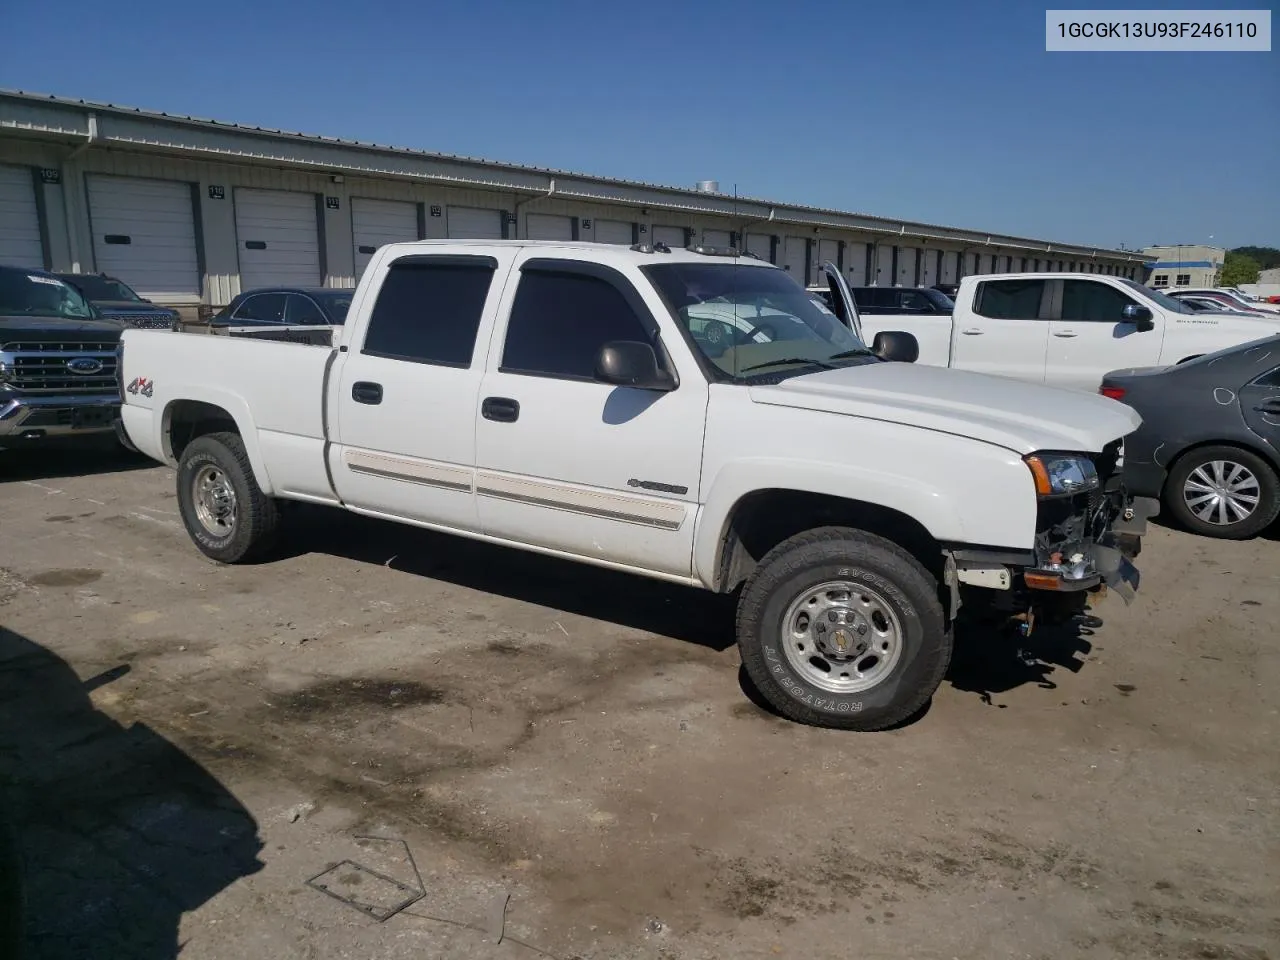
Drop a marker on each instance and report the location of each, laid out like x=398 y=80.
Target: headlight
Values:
x=1060 y=475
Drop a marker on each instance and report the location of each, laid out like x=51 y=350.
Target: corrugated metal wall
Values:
x=68 y=226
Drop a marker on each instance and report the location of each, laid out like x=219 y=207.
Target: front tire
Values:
x=224 y=510
x=1224 y=492
x=839 y=628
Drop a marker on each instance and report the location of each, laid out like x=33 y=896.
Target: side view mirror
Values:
x=1140 y=317
x=896 y=345
x=630 y=363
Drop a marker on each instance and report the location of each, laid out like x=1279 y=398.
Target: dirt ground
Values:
x=573 y=763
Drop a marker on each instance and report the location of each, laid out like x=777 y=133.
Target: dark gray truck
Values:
x=58 y=360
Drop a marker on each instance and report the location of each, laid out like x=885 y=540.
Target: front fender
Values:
x=986 y=498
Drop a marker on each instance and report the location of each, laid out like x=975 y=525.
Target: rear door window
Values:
x=429 y=309
x=303 y=310
x=1009 y=299
x=263 y=307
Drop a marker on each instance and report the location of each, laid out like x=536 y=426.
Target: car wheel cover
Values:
x=1221 y=492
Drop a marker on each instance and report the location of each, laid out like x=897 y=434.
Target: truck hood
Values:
x=27 y=327
x=1023 y=417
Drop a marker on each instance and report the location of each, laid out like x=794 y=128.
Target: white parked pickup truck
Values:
x=1063 y=329
x=572 y=399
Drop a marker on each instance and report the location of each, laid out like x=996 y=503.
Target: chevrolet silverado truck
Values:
x=57 y=360
x=1064 y=330
x=571 y=399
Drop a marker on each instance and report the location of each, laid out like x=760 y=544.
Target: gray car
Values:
x=1209 y=444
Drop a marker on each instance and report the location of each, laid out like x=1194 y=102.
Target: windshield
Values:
x=38 y=295
x=1165 y=301
x=752 y=320
x=940 y=299
x=337 y=305
x=103 y=288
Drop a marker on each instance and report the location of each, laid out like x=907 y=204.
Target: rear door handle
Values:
x=501 y=409
x=973 y=332
x=1269 y=406
x=362 y=391
x=1065 y=334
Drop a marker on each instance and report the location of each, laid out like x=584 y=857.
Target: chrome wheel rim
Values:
x=841 y=636
x=1221 y=492
x=215 y=500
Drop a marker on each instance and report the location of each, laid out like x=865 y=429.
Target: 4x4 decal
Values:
x=141 y=385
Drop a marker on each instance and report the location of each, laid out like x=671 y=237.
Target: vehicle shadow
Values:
x=67 y=457
x=990 y=659
x=110 y=833
x=987 y=660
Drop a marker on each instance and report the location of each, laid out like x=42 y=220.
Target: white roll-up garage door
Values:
x=277 y=238
x=144 y=232
x=549 y=226
x=475 y=223
x=906 y=267
x=761 y=244
x=673 y=237
x=928 y=267
x=950 y=267
x=883 y=263
x=614 y=231
x=20 y=244
x=715 y=238
x=855 y=264
x=827 y=250
x=793 y=257
x=375 y=223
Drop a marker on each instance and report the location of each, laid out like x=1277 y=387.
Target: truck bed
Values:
x=273 y=389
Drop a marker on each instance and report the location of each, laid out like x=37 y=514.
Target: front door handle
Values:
x=362 y=391
x=501 y=409
x=972 y=332
x=1065 y=334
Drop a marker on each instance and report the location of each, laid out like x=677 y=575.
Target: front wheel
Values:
x=1223 y=492
x=223 y=508
x=840 y=628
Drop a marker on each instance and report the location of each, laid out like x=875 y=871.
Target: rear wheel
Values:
x=1223 y=492
x=223 y=508
x=840 y=628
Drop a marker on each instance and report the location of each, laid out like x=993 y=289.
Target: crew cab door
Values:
x=569 y=463
x=402 y=402
x=1089 y=336
x=1005 y=330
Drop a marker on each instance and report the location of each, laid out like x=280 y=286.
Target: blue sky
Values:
x=944 y=112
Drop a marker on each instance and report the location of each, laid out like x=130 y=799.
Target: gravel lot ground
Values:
x=187 y=744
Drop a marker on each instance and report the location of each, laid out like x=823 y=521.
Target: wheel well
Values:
x=1194 y=356
x=763 y=519
x=188 y=420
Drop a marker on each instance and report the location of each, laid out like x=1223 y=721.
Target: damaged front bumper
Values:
x=1089 y=541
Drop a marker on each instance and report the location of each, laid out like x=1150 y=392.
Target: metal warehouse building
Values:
x=191 y=211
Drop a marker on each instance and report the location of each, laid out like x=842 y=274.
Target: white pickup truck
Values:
x=1063 y=329
x=579 y=400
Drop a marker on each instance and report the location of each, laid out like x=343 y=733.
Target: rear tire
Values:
x=1209 y=487
x=224 y=510
x=839 y=628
